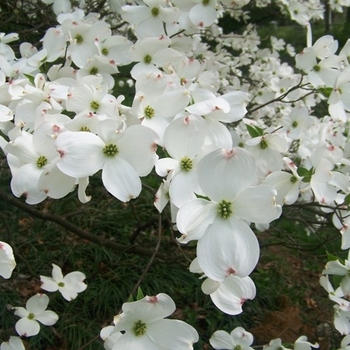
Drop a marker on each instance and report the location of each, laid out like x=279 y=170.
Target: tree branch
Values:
x=132 y=249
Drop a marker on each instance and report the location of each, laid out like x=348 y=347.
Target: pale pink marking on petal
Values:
x=229 y=153
x=153 y=299
x=231 y=271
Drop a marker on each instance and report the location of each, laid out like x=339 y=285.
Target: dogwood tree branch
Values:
x=62 y=222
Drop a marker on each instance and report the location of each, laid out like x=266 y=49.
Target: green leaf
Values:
x=325 y=91
x=332 y=257
x=30 y=78
x=140 y=294
x=254 y=131
x=305 y=173
x=347 y=200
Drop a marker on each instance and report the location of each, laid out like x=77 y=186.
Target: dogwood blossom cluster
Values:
x=35 y=311
x=239 y=338
x=234 y=138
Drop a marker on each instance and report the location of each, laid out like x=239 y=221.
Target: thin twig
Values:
x=148 y=266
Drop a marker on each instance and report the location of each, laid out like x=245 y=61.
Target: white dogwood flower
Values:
x=34 y=313
x=69 y=286
x=239 y=338
x=143 y=326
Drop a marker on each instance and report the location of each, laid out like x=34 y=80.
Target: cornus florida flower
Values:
x=7 y=260
x=121 y=159
x=14 y=343
x=226 y=176
x=286 y=183
x=319 y=62
x=35 y=311
x=31 y=158
x=150 y=19
x=152 y=53
x=267 y=150
x=183 y=140
x=238 y=339
x=69 y=286
x=141 y=326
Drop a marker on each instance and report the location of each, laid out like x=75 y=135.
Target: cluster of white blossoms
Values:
x=234 y=138
x=35 y=311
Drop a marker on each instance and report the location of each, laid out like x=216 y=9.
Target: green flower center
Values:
x=205 y=2
x=263 y=144
x=155 y=11
x=225 y=209
x=94 y=105
x=110 y=150
x=317 y=68
x=139 y=328
x=147 y=59
x=60 y=284
x=79 y=38
x=293 y=179
x=149 y=112
x=41 y=161
x=85 y=128
x=31 y=316
x=186 y=164
x=294 y=124
x=237 y=347
x=105 y=51
x=93 y=71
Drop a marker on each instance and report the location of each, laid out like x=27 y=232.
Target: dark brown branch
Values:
x=132 y=249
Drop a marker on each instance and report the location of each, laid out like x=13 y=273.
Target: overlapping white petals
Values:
x=239 y=337
x=223 y=174
x=194 y=218
x=232 y=293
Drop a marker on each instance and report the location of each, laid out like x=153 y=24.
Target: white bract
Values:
x=7 y=260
